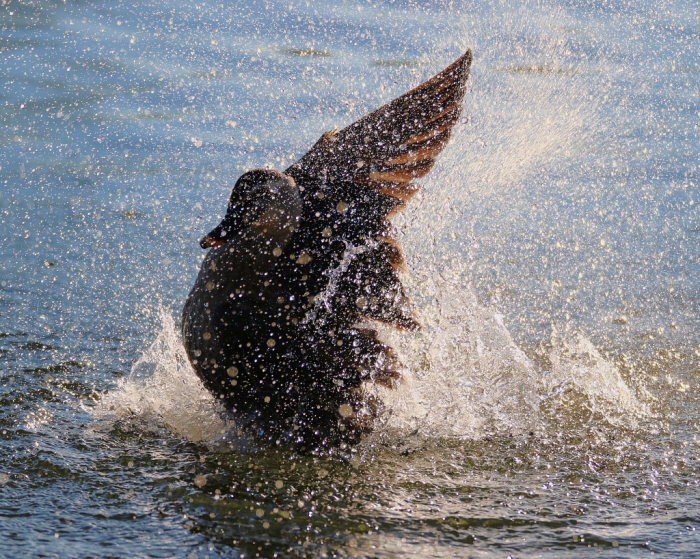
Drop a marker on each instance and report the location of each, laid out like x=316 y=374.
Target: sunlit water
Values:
x=550 y=406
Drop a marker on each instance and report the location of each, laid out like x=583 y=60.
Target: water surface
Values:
x=551 y=404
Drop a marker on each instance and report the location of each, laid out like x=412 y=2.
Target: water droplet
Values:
x=345 y=410
x=200 y=480
x=304 y=258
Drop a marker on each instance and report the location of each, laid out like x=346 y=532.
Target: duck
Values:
x=281 y=323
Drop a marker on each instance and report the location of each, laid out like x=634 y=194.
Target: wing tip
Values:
x=459 y=69
x=464 y=62
x=468 y=56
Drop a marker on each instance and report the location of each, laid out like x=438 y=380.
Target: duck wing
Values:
x=342 y=264
x=390 y=147
x=354 y=179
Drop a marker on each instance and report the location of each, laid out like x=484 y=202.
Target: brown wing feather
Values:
x=395 y=144
x=371 y=164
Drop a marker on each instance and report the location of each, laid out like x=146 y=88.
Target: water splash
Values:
x=530 y=113
x=578 y=369
x=466 y=376
x=163 y=390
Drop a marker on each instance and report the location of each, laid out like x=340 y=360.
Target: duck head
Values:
x=262 y=200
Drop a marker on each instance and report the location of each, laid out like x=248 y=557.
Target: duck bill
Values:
x=210 y=242
x=217 y=236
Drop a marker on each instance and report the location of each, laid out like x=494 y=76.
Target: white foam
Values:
x=578 y=366
x=465 y=378
x=164 y=390
x=465 y=375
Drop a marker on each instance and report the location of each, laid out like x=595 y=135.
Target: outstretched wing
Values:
x=352 y=180
x=390 y=147
x=342 y=258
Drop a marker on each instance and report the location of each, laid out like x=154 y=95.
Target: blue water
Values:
x=552 y=406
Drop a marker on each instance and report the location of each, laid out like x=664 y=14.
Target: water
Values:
x=551 y=401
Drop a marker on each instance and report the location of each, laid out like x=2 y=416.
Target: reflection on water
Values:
x=550 y=406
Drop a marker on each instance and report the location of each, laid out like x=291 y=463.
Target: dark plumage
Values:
x=278 y=323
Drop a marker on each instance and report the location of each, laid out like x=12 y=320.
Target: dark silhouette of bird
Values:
x=278 y=325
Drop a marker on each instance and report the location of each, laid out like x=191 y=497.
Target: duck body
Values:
x=278 y=323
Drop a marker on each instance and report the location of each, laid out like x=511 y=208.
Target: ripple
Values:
x=36 y=346
x=398 y=63
x=539 y=69
x=61 y=367
x=310 y=52
x=496 y=523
